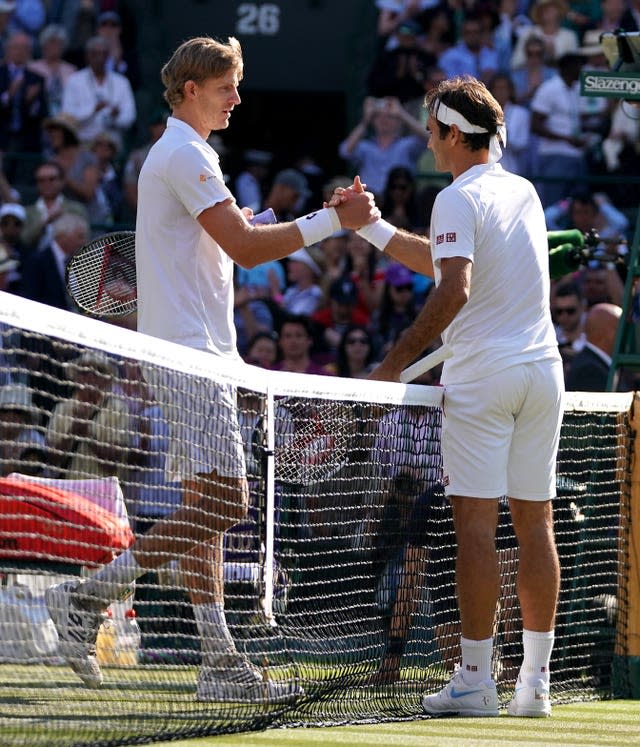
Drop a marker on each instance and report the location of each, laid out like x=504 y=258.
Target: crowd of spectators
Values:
x=70 y=164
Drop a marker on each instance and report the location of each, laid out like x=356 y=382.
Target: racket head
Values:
x=101 y=276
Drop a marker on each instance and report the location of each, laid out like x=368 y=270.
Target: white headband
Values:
x=450 y=116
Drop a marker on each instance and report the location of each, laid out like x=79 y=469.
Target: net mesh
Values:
x=339 y=581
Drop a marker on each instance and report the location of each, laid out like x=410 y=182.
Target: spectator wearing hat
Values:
x=397 y=309
x=12 y=220
x=121 y=59
x=23 y=104
x=89 y=433
x=249 y=184
x=470 y=56
x=99 y=99
x=547 y=17
x=51 y=66
x=43 y=277
x=50 y=204
x=303 y=295
x=378 y=143
x=155 y=127
x=288 y=193
x=22 y=444
x=334 y=319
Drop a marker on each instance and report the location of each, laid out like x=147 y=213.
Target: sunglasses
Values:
x=568 y=310
x=357 y=340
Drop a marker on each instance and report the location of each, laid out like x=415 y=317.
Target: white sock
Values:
x=215 y=638
x=114 y=581
x=537 y=655
x=476 y=660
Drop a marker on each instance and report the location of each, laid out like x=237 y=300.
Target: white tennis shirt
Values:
x=185 y=279
x=495 y=219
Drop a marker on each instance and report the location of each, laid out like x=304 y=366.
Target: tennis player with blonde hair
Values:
x=189 y=233
x=503 y=385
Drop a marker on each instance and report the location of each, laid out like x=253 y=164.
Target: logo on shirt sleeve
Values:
x=446 y=238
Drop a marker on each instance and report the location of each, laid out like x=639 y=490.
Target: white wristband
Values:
x=378 y=233
x=317 y=226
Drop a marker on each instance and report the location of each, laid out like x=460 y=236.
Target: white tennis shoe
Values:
x=234 y=679
x=77 y=632
x=530 y=700
x=458 y=698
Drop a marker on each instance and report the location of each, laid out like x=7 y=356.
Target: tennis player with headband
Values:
x=503 y=385
x=189 y=233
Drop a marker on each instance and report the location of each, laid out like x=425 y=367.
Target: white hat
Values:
x=591 y=43
x=15 y=209
x=303 y=256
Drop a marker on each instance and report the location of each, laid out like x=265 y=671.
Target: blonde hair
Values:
x=198 y=59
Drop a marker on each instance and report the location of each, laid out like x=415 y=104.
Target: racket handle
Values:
x=425 y=364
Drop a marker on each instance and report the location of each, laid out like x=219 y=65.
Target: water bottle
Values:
x=128 y=639
x=107 y=641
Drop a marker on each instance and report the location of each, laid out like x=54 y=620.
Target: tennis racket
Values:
x=101 y=276
x=425 y=364
x=315 y=439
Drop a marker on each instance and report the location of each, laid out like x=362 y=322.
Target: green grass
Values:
x=576 y=725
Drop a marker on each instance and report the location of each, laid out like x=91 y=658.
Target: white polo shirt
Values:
x=185 y=279
x=495 y=219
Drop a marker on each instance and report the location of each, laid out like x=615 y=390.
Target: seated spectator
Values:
x=355 y=355
x=568 y=312
x=547 y=17
x=23 y=106
x=43 y=276
x=363 y=267
x=250 y=182
x=515 y=157
x=89 y=433
x=600 y=284
x=400 y=204
x=22 y=445
x=121 y=59
x=262 y=350
x=397 y=309
x=287 y=195
x=333 y=320
x=303 y=295
x=98 y=98
x=105 y=149
x=48 y=207
x=51 y=65
x=585 y=210
x=470 y=56
x=295 y=342
x=534 y=71
x=374 y=155
x=400 y=71
x=157 y=125
x=555 y=119
x=12 y=220
x=589 y=370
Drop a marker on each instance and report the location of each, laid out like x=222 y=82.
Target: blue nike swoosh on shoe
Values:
x=456 y=694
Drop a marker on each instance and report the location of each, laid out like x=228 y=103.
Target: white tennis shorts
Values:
x=202 y=419
x=500 y=434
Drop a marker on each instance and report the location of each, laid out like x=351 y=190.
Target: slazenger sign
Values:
x=612 y=85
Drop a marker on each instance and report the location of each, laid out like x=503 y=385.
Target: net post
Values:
x=627 y=651
x=269 y=550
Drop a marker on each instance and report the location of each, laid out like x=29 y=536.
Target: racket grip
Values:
x=425 y=364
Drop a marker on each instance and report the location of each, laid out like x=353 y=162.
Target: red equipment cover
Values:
x=39 y=522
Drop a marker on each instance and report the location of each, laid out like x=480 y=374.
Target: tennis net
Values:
x=340 y=579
